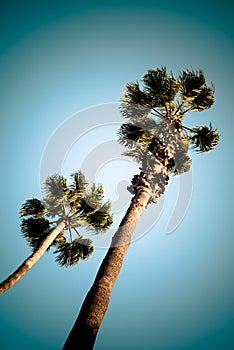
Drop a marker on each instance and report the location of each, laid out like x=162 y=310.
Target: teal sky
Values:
x=175 y=292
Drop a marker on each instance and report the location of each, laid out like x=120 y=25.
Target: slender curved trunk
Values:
x=93 y=310
x=32 y=259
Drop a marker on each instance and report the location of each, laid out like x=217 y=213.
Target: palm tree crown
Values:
x=155 y=135
x=77 y=206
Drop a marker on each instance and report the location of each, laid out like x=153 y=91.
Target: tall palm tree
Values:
x=156 y=137
x=64 y=209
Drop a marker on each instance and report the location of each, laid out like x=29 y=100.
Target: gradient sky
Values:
x=175 y=292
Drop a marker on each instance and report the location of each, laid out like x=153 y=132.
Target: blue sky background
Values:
x=175 y=292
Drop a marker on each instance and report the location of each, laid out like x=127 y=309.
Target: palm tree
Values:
x=64 y=209
x=155 y=137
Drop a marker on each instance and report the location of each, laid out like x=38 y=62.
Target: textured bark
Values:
x=85 y=329
x=32 y=259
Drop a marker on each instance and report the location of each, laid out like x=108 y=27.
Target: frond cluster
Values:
x=77 y=205
x=35 y=230
x=158 y=106
x=33 y=207
x=204 y=138
x=145 y=138
x=35 y=225
x=161 y=86
x=166 y=95
x=196 y=94
x=69 y=254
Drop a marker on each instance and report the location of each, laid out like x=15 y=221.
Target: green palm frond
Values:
x=133 y=94
x=191 y=82
x=93 y=199
x=77 y=191
x=205 y=98
x=56 y=191
x=33 y=207
x=161 y=87
x=35 y=230
x=204 y=138
x=56 y=186
x=195 y=91
x=130 y=134
x=76 y=205
x=100 y=220
x=69 y=254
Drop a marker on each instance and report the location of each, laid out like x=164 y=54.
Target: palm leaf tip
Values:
x=205 y=138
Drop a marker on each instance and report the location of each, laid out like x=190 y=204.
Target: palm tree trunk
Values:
x=93 y=310
x=32 y=259
x=147 y=187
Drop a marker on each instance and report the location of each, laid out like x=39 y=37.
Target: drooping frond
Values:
x=134 y=95
x=35 y=230
x=130 y=134
x=161 y=87
x=101 y=220
x=137 y=137
x=194 y=90
x=205 y=98
x=69 y=254
x=204 y=138
x=33 y=207
x=191 y=82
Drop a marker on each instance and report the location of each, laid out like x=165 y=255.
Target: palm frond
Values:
x=77 y=191
x=69 y=254
x=205 y=98
x=191 y=82
x=134 y=95
x=130 y=134
x=137 y=154
x=100 y=220
x=56 y=191
x=33 y=207
x=204 y=138
x=195 y=92
x=93 y=199
x=134 y=112
x=161 y=87
x=56 y=186
x=35 y=230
